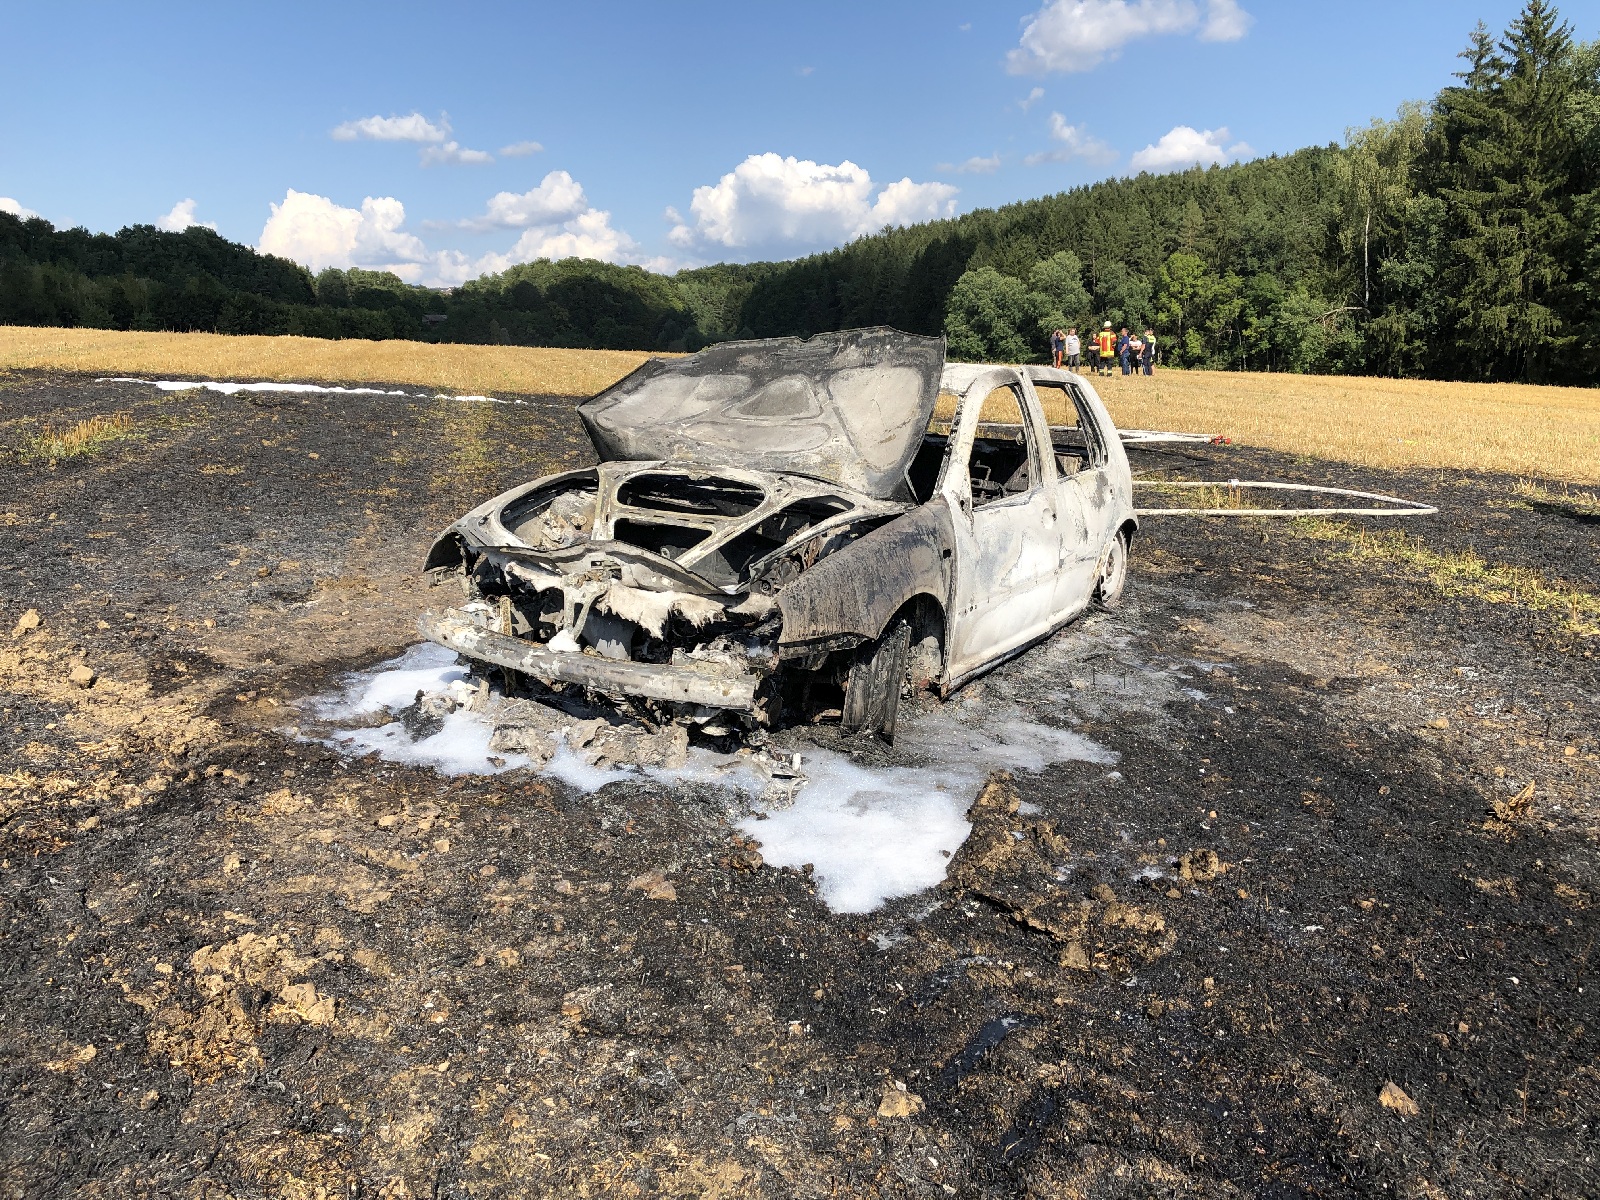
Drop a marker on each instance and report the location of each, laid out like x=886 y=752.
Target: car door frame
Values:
x=1086 y=498
x=1030 y=517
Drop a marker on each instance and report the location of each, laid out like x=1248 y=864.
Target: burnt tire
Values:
x=1113 y=573
x=872 y=694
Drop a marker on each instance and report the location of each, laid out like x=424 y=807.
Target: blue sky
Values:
x=442 y=140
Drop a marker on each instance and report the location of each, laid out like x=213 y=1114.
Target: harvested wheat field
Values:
x=296 y=359
x=1282 y=879
x=1508 y=429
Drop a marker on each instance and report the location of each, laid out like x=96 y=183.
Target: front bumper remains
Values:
x=707 y=686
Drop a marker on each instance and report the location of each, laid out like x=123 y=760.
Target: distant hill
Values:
x=1459 y=241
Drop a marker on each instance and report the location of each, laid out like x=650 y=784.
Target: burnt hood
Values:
x=847 y=407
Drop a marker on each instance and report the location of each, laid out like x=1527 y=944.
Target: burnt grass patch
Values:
x=235 y=964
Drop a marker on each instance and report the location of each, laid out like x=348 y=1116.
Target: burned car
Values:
x=792 y=530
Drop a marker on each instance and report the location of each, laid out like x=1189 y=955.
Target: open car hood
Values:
x=847 y=407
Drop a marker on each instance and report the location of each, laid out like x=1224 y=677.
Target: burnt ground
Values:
x=233 y=964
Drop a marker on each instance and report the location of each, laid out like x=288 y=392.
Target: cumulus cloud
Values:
x=520 y=149
x=794 y=205
x=8 y=205
x=181 y=217
x=412 y=128
x=317 y=232
x=589 y=234
x=559 y=197
x=1032 y=98
x=453 y=153
x=1225 y=22
x=976 y=165
x=1184 y=147
x=1071 y=141
x=1078 y=35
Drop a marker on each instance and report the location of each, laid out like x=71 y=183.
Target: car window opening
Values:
x=1001 y=462
x=1074 y=440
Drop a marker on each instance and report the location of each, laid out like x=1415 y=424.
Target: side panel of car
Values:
x=1007 y=551
x=855 y=591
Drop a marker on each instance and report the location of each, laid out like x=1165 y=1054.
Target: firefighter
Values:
x=1106 y=343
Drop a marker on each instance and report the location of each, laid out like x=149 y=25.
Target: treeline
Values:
x=142 y=278
x=1459 y=240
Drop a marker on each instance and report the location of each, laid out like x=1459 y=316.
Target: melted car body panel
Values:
x=846 y=407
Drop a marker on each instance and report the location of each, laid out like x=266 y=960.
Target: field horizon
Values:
x=1532 y=430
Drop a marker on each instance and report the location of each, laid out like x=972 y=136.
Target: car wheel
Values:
x=872 y=694
x=1108 y=590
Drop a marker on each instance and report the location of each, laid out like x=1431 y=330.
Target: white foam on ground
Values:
x=460 y=747
x=870 y=834
x=392 y=685
x=229 y=388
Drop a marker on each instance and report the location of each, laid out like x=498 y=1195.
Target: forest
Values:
x=1457 y=240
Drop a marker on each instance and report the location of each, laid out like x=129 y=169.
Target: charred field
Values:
x=1325 y=928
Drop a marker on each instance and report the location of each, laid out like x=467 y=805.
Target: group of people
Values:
x=1136 y=354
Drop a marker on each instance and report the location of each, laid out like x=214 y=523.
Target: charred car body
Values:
x=781 y=531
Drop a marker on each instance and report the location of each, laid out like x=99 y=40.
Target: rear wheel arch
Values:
x=1113 y=574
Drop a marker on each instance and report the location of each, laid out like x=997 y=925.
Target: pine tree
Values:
x=1506 y=174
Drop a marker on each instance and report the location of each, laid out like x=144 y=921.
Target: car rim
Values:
x=1116 y=568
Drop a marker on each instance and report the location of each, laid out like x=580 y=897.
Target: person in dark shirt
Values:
x=1124 y=350
x=1058 y=347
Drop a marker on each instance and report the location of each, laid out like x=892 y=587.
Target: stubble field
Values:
x=1500 y=429
x=1322 y=928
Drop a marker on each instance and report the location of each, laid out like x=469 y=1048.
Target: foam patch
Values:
x=229 y=388
x=870 y=834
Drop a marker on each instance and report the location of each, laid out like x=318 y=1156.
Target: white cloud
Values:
x=520 y=149
x=1072 y=141
x=316 y=232
x=782 y=204
x=438 y=147
x=1032 y=98
x=1078 y=35
x=1225 y=22
x=181 y=217
x=8 y=205
x=412 y=128
x=804 y=71
x=587 y=235
x=559 y=197
x=1183 y=147
x=906 y=203
x=976 y=165
x=453 y=153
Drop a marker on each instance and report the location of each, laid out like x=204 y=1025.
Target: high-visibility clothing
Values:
x=1107 y=341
